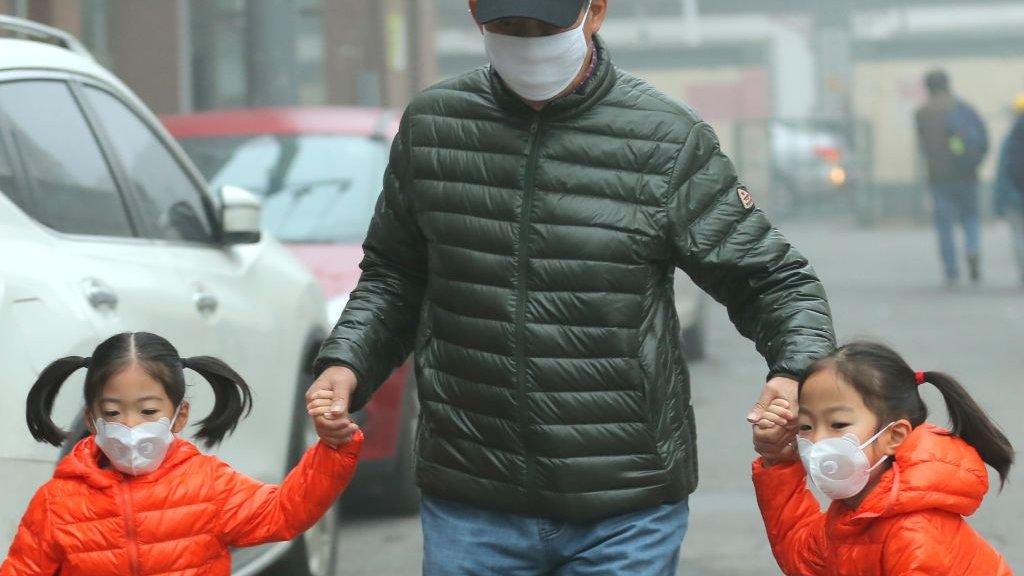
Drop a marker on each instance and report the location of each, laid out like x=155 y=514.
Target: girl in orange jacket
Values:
x=132 y=498
x=900 y=487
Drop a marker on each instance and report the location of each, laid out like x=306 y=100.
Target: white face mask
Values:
x=838 y=466
x=538 y=68
x=139 y=450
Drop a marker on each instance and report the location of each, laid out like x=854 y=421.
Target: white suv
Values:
x=105 y=226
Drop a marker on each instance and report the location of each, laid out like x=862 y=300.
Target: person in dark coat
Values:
x=533 y=216
x=953 y=139
x=1009 y=189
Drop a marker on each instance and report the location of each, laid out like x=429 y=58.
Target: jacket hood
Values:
x=933 y=470
x=83 y=462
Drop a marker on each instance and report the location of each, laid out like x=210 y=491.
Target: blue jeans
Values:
x=956 y=203
x=1016 y=218
x=464 y=540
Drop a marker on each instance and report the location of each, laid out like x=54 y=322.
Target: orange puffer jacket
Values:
x=179 y=520
x=911 y=524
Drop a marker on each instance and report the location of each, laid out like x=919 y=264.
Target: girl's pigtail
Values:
x=971 y=423
x=39 y=406
x=232 y=398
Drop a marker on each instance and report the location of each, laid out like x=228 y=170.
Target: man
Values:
x=1009 y=189
x=524 y=246
x=954 y=141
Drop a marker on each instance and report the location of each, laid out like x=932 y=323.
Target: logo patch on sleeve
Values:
x=745 y=197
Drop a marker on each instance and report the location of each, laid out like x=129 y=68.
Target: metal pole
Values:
x=640 y=13
x=271 y=63
x=691 y=22
x=184 y=56
x=834 y=39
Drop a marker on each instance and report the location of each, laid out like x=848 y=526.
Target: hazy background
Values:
x=814 y=101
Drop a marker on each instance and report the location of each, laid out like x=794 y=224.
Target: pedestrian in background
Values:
x=900 y=487
x=1009 y=190
x=954 y=141
x=133 y=498
x=533 y=216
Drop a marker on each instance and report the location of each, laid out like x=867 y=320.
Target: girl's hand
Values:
x=775 y=433
x=333 y=430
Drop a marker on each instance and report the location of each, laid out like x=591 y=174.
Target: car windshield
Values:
x=315 y=188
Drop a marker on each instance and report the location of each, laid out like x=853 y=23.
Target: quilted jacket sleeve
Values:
x=730 y=249
x=34 y=551
x=257 y=513
x=377 y=329
x=1015 y=155
x=792 y=518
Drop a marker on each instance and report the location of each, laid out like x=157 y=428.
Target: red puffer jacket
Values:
x=176 y=521
x=911 y=524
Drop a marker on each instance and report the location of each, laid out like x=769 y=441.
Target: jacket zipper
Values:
x=129 y=521
x=523 y=271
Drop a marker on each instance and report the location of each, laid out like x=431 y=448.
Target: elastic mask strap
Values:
x=879 y=463
x=875 y=437
x=175 y=417
x=586 y=17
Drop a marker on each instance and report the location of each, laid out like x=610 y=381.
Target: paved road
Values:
x=882 y=284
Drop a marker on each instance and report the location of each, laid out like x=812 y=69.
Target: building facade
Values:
x=184 y=55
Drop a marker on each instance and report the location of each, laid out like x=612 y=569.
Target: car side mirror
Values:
x=240 y=212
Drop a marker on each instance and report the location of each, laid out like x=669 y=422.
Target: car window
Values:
x=316 y=188
x=7 y=182
x=71 y=184
x=169 y=199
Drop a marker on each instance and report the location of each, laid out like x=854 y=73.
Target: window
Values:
x=71 y=185
x=170 y=201
x=7 y=182
x=316 y=188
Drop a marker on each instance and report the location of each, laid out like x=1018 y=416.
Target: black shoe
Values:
x=974 y=264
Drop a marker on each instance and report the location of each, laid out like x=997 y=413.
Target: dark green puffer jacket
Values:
x=527 y=259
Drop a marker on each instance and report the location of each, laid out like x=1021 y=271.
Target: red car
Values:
x=319 y=172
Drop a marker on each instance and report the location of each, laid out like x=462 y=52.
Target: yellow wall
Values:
x=887 y=94
x=679 y=82
x=675 y=82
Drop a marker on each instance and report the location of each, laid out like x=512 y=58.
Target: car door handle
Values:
x=99 y=294
x=206 y=303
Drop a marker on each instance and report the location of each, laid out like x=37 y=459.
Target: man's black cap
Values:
x=560 y=13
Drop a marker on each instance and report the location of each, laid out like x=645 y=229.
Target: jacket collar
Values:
x=83 y=463
x=586 y=96
x=933 y=470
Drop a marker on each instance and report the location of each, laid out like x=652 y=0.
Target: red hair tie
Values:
x=919 y=377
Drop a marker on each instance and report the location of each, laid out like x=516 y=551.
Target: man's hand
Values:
x=327 y=402
x=778 y=387
x=773 y=435
x=774 y=432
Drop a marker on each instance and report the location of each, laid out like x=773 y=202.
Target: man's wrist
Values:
x=325 y=365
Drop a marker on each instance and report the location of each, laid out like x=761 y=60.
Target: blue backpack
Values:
x=968 y=138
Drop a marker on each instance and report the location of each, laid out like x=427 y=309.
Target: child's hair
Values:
x=160 y=359
x=889 y=387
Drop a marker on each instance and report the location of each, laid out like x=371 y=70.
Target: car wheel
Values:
x=401 y=495
x=315 y=553
x=695 y=339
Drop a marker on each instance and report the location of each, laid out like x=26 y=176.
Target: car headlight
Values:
x=335 y=306
x=837 y=176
